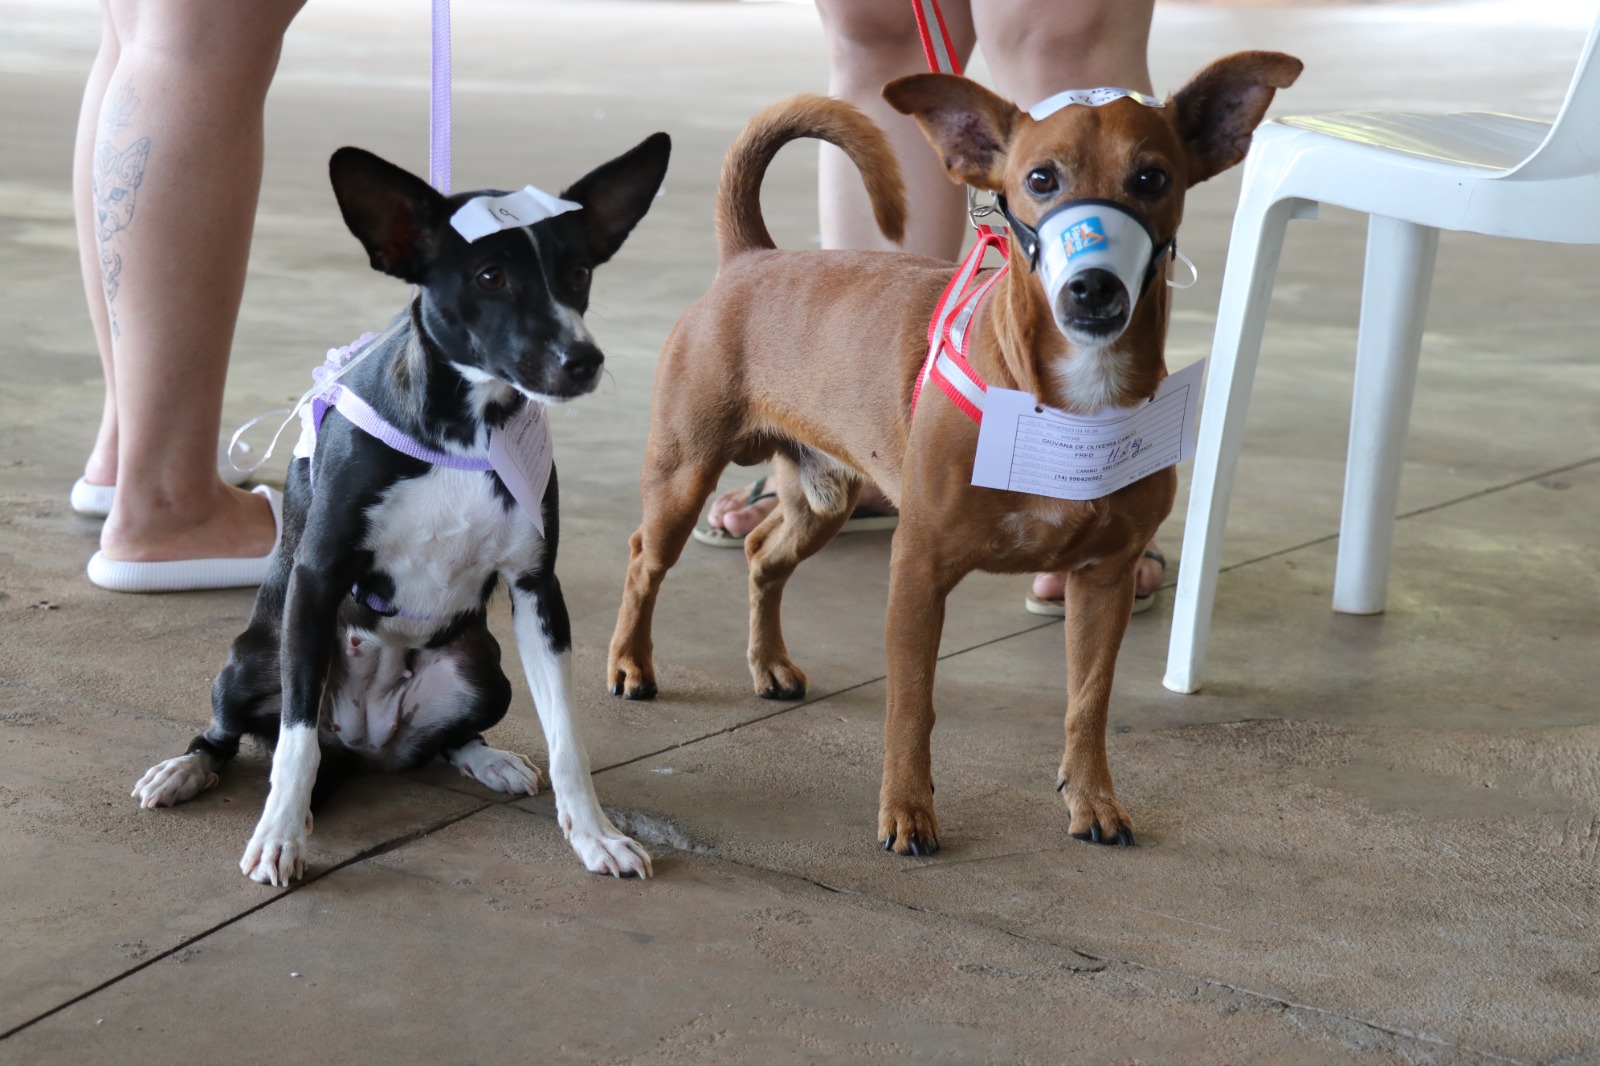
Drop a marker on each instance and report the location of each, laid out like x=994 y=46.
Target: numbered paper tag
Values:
x=483 y=215
x=523 y=455
x=1028 y=448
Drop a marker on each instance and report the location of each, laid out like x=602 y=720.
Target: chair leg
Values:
x=1253 y=251
x=1394 y=303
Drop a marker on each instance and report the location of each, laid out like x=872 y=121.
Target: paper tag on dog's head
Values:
x=483 y=215
x=1089 y=98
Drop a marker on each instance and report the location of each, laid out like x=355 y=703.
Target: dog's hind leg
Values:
x=673 y=487
x=815 y=496
x=244 y=700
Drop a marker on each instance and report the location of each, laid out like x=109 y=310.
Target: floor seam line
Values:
x=801 y=705
x=1430 y=508
x=377 y=849
x=1236 y=989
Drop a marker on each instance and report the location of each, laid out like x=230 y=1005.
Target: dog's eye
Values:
x=1151 y=181
x=1042 y=181
x=491 y=279
x=580 y=278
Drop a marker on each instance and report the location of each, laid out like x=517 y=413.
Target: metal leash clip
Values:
x=977 y=209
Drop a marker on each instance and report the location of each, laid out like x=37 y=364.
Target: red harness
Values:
x=950 y=334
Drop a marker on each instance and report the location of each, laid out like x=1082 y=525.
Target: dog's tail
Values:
x=740 y=227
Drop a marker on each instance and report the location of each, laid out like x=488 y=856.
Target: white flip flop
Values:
x=189 y=575
x=95 y=500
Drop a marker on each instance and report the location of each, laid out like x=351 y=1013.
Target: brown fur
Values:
x=810 y=358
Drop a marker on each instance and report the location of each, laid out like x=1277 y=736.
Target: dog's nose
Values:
x=1094 y=292
x=581 y=362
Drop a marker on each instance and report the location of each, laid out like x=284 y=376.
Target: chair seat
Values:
x=1479 y=139
x=1462 y=171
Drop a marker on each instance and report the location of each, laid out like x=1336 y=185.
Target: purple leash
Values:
x=439 y=124
x=347 y=402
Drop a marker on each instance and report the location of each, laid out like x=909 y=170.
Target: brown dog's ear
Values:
x=968 y=124
x=1220 y=108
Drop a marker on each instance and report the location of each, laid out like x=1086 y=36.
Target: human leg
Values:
x=101 y=469
x=870 y=43
x=176 y=171
x=1037 y=48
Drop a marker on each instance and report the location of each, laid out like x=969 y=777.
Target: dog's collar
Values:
x=1027 y=237
x=519 y=452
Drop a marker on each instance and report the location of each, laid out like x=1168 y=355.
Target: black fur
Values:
x=510 y=329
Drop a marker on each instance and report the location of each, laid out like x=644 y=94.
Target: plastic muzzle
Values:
x=1095 y=257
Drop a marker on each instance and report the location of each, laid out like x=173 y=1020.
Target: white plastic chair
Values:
x=1414 y=174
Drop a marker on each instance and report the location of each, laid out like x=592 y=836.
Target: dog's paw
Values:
x=611 y=853
x=276 y=854
x=778 y=679
x=631 y=678
x=1094 y=813
x=604 y=848
x=908 y=828
x=174 y=781
x=503 y=771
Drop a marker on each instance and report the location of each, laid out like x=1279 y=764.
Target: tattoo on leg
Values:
x=118 y=173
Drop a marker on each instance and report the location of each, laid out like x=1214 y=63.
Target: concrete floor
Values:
x=1369 y=839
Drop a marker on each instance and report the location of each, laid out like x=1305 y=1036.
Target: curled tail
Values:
x=740 y=227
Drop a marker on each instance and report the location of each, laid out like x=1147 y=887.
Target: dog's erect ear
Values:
x=969 y=125
x=1220 y=108
x=616 y=195
x=395 y=214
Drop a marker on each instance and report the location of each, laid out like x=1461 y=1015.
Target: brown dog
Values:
x=809 y=358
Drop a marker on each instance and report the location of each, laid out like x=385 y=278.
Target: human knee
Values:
x=870 y=41
x=1036 y=51
x=201 y=38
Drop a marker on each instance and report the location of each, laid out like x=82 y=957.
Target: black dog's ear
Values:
x=616 y=195
x=395 y=214
x=1219 y=110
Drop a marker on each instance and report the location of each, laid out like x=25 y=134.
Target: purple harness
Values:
x=334 y=396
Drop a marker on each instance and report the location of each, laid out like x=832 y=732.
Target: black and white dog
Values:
x=368 y=645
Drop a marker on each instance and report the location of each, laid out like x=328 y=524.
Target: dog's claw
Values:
x=1125 y=837
x=888 y=844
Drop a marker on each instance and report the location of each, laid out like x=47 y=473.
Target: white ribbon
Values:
x=1089 y=98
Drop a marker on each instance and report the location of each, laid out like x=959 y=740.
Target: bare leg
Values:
x=175 y=172
x=870 y=43
x=101 y=469
x=1037 y=48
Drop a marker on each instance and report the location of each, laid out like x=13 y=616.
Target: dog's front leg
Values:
x=917 y=591
x=276 y=853
x=1098 y=603
x=544 y=640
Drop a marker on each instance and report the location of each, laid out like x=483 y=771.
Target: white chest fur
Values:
x=1093 y=378
x=440 y=536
